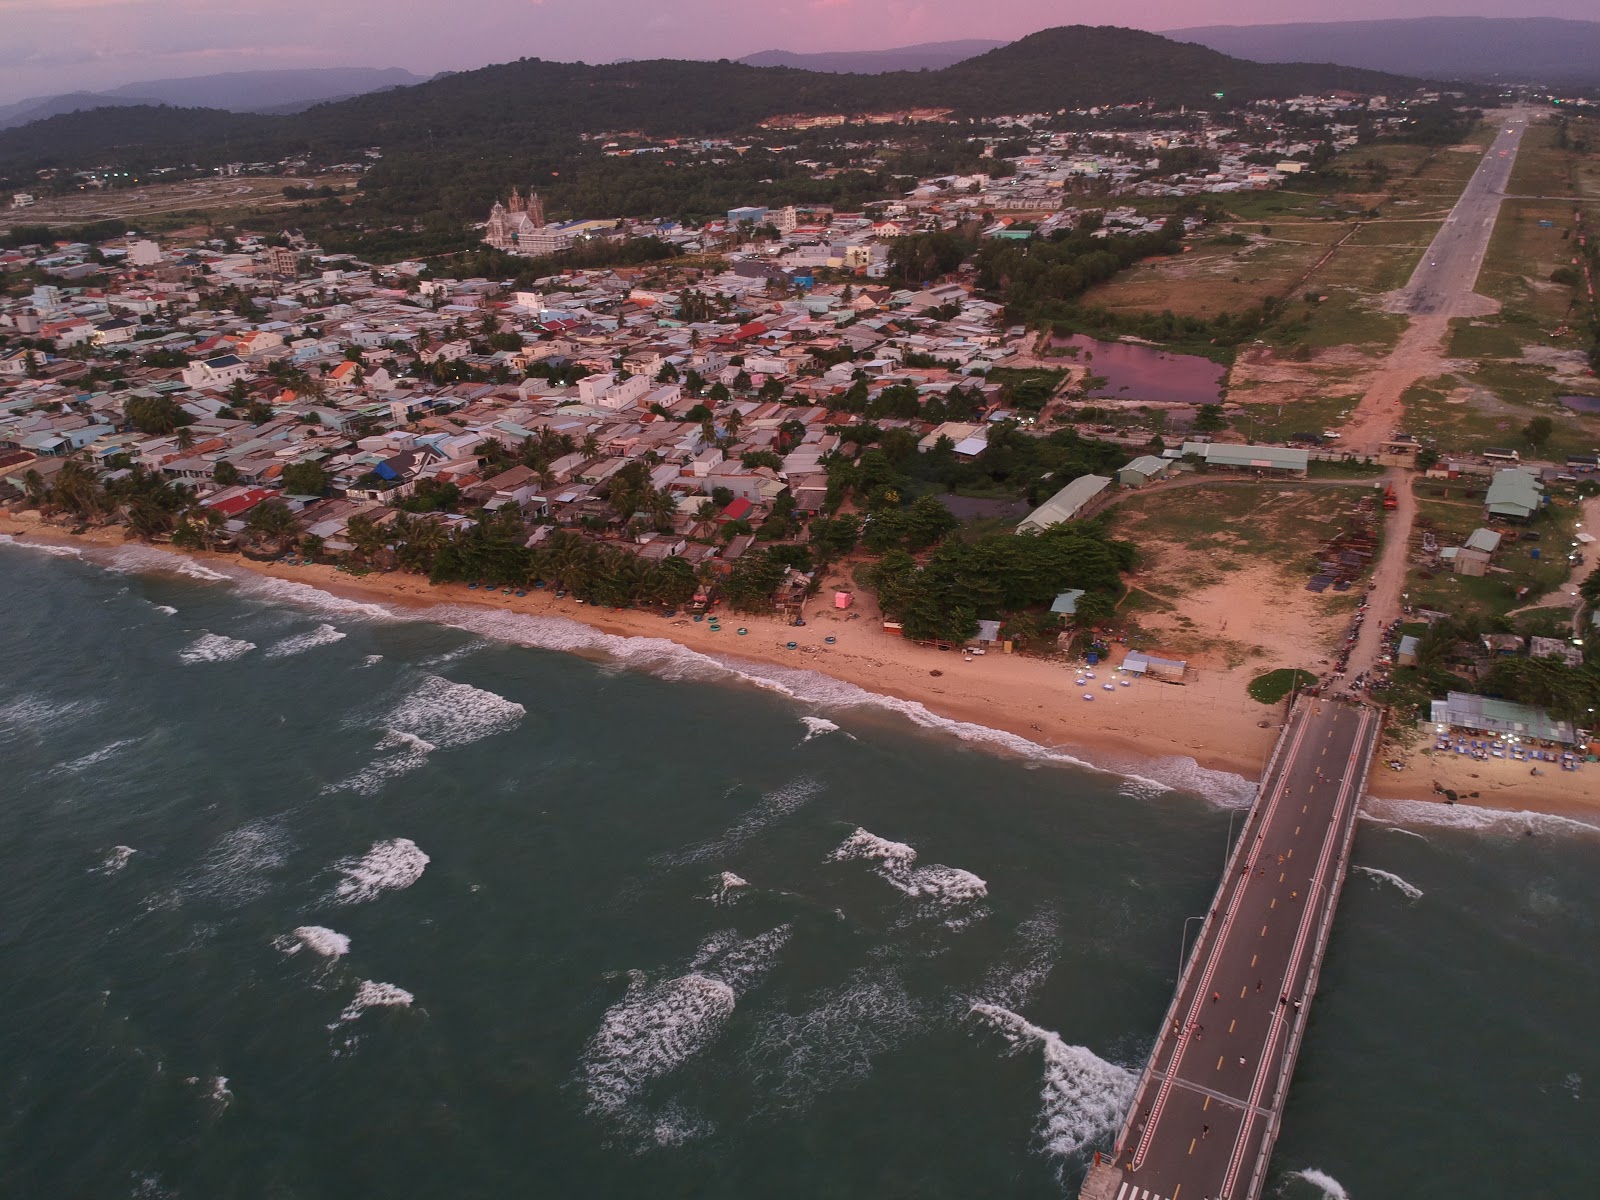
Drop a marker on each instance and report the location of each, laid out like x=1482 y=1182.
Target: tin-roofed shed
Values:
x=1072 y=501
x=1505 y=718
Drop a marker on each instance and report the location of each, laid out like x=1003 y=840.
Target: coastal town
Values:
x=725 y=423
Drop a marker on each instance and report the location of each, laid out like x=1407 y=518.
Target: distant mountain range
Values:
x=926 y=56
x=1479 y=49
x=234 y=91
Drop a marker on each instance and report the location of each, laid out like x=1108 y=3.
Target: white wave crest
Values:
x=729 y=887
x=739 y=961
x=215 y=647
x=388 y=866
x=372 y=994
x=320 y=940
x=1331 y=1188
x=322 y=635
x=942 y=886
x=166 y=610
x=795 y=1057
x=649 y=1033
x=1411 y=890
x=372 y=660
x=445 y=713
x=1471 y=818
x=272 y=590
x=774 y=806
x=1386 y=827
x=1084 y=1098
x=49 y=548
x=135 y=559
x=98 y=756
x=116 y=860
x=816 y=727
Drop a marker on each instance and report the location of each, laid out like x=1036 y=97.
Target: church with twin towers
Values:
x=519 y=227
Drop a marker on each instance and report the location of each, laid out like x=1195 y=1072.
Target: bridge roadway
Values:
x=1206 y=1113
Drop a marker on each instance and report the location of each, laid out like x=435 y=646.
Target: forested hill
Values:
x=531 y=100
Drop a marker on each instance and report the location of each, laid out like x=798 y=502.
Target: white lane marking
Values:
x=1122 y=1191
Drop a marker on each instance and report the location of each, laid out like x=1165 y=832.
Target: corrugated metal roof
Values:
x=1514 y=492
x=1487 y=540
x=1066 y=503
x=1505 y=717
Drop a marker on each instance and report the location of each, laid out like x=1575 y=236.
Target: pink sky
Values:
x=50 y=46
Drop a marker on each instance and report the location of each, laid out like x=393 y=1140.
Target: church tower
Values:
x=516 y=201
x=535 y=209
x=498 y=232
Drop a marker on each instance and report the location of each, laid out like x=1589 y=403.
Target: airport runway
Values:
x=1448 y=272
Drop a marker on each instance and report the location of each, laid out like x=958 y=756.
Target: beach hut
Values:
x=1065 y=605
x=841 y=599
x=1168 y=670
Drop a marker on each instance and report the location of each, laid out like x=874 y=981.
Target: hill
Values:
x=527 y=103
x=1480 y=49
x=925 y=56
x=232 y=91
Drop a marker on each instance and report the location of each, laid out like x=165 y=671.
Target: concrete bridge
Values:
x=1207 y=1109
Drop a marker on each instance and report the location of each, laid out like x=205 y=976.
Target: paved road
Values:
x=1206 y=1113
x=1449 y=270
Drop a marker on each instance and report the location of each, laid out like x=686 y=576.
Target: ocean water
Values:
x=303 y=898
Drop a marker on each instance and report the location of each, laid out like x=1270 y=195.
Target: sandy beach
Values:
x=1209 y=720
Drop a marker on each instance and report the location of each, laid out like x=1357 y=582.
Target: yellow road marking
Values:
x=1290 y=854
x=1253 y=958
x=1274 y=903
x=1263 y=931
x=1192 y=1141
x=1232 y=1023
x=1206 y=1105
x=1219 y=1062
x=1280 y=876
x=1241 y=992
x=1297 y=831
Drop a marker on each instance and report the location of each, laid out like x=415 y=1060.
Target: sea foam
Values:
x=116 y=860
x=95 y=757
x=239 y=867
x=322 y=635
x=214 y=648
x=773 y=807
x=1083 y=1097
x=321 y=940
x=372 y=994
x=388 y=866
x=1330 y=1187
x=941 y=886
x=1472 y=818
x=1410 y=890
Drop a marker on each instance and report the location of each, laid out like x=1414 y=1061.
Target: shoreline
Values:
x=1164 y=733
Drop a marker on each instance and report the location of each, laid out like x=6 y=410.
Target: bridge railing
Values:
x=1191 y=964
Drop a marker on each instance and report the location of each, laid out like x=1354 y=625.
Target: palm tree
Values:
x=185 y=439
x=363 y=534
x=591 y=445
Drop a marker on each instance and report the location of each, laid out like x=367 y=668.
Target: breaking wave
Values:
x=116 y=860
x=317 y=939
x=1330 y=1187
x=941 y=887
x=816 y=727
x=388 y=866
x=166 y=610
x=239 y=867
x=322 y=635
x=215 y=647
x=1083 y=1097
x=657 y=1027
x=728 y=889
x=1411 y=890
x=1012 y=982
x=372 y=994
x=30 y=712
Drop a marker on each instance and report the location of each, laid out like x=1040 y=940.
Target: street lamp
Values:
x=1184 y=940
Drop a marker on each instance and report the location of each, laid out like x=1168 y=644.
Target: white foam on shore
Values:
x=773 y=807
x=299 y=643
x=1083 y=1098
x=1410 y=890
x=388 y=866
x=943 y=887
x=1472 y=818
x=215 y=648
x=98 y=756
x=372 y=994
x=49 y=548
x=136 y=559
x=1330 y=1187
x=116 y=860
x=833 y=1042
x=668 y=660
x=272 y=590
x=1399 y=829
